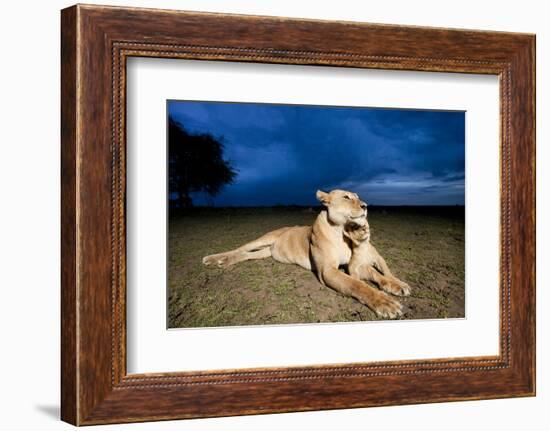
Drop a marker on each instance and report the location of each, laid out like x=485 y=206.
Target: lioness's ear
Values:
x=323 y=197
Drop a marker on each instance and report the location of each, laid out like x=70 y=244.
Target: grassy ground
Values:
x=422 y=246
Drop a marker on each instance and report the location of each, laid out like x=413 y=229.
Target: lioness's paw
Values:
x=214 y=260
x=397 y=287
x=405 y=289
x=219 y=260
x=224 y=261
x=209 y=260
x=387 y=307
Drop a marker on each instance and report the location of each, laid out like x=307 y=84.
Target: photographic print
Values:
x=294 y=214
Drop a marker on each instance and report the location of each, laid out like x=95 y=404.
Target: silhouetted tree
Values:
x=195 y=164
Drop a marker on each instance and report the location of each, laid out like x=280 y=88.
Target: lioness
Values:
x=322 y=248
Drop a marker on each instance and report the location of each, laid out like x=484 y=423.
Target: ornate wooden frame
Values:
x=95 y=43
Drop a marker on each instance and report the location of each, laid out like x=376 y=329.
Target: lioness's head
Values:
x=343 y=207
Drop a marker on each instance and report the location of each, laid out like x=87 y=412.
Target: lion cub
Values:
x=366 y=264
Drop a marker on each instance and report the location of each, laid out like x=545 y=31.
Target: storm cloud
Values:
x=284 y=153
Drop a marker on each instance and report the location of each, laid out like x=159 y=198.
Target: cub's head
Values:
x=357 y=234
x=344 y=207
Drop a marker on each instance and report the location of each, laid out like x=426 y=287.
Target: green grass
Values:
x=423 y=246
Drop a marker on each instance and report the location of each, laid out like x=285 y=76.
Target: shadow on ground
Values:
x=50 y=411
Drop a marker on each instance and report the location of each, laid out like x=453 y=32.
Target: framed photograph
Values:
x=264 y=214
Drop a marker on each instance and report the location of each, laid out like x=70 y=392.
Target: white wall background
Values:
x=29 y=214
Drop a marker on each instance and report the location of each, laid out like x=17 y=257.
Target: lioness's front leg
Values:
x=389 y=284
x=379 y=302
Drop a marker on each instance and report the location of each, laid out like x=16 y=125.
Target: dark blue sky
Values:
x=284 y=153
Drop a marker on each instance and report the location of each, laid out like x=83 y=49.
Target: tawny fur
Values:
x=322 y=248
x=367 y=264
